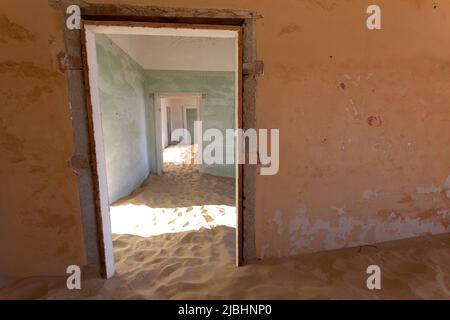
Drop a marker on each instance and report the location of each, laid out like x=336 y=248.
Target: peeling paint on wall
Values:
x=264 y=248
x=339 y=211
x=278 y=221
x=309 y=233
x=447 y=187
x=428 y=190
x=369 y=194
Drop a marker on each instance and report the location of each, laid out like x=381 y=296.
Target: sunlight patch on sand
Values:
x=180 y=153
x=144 y=221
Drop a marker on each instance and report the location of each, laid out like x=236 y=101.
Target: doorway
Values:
x=177 y=103
x=84 y=162
x=189 y=113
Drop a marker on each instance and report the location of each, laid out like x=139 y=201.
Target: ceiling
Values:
x=179 y=53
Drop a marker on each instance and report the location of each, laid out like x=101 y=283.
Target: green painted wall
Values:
x=218 y=106
x=124 y=118
x=191 y=116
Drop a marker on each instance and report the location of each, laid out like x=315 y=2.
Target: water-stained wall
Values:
x=40 y=222
x=363 y=118
x=124 y=118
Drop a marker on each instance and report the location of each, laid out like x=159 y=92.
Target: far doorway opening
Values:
x=175 y=111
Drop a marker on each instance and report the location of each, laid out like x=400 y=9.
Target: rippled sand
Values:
x=200 y=265
x=196 y=260
x=182 y=199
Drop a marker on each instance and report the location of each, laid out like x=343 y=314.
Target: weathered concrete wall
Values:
x=40 y=223
x=123 y=109
x=363 y=118
x=218 y=105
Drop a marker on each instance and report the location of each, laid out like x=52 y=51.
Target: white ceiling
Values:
x=179 y=53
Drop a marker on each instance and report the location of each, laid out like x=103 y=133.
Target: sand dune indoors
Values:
x=179 y=243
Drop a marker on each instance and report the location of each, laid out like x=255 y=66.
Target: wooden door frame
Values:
x=84 y=161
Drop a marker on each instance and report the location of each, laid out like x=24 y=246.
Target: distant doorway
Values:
x=175 y=111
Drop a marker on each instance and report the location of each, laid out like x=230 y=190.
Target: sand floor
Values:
x=182 y=199
x=196 y=259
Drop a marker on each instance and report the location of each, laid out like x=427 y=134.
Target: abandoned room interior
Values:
x=110 y=115
x=147 y=85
